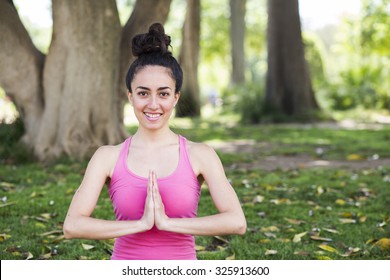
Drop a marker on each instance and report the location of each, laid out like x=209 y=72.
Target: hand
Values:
x=148 y=216
x=160 y=218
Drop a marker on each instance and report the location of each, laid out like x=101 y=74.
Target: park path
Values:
x=289 y=162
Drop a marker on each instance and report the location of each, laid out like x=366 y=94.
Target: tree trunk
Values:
x=79 y=80
x=289 y=90
x=21 y=68
x=69 y=101
x=145 y=13
x=189 y=103
x=237 y=37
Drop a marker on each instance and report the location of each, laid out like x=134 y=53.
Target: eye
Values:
x=142 y=93
x=164 y=94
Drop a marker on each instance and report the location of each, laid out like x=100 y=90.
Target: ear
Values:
x=130 y=97
x=177 y=97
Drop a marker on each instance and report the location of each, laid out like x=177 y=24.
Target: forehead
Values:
x=153 y=75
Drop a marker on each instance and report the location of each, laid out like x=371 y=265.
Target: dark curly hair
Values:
x=152 y=49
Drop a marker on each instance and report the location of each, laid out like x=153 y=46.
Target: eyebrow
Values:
x=146 y=88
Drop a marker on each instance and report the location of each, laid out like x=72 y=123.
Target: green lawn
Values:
x=320 y=213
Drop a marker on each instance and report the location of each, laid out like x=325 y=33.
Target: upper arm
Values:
x=87 y=195
x=210 y=167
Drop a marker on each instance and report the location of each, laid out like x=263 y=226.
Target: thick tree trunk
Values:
x=79 y=80
x=144 y=14
x=237 y=37
x=189 y=104
x=21 y=68
x=289 y=89
x=69 y=102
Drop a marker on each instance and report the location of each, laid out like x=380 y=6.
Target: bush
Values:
x=362 y=86
x=247 y=100
x=11 y=148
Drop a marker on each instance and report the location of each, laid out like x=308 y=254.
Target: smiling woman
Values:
x=155 y=175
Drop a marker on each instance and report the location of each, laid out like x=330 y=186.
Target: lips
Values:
x=152 y=117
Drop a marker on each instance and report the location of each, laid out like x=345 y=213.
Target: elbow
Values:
x=68 y=230
x=240 y=226
x=241 y=229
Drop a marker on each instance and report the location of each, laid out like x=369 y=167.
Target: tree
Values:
x=237 y=36
x=288 y=86
x=70 y=99
x=189 y=104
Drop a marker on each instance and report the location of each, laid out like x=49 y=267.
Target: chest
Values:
x=164 y=161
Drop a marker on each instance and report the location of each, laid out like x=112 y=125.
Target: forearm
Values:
x=218 y=224
x=91 y=228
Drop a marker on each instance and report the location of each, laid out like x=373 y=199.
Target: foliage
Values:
x=247 y=100
x=291 y=214
x=364 y=58
x=375 y=22
x=11 y=148
x=314 y=56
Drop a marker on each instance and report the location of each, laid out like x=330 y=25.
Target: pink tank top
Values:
x=180 y=193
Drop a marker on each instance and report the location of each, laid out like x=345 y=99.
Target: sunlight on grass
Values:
x=292 y=213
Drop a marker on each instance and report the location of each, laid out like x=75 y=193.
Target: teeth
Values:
x=152 y=115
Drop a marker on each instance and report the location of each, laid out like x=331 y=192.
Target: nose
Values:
x=153 y=102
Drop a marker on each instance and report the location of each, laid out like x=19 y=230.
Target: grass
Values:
x=339 y=213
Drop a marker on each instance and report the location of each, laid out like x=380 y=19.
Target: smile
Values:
x=151 y=116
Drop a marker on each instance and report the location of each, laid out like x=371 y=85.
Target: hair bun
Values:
x=155 y=41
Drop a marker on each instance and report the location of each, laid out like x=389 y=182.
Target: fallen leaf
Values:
x=347 y=221
x=354 y=157
x=284 y=240
x=383 y=244
x=320 y=190
x=200 y=248
x=331 y=230
x=340 y=202
x=319 y=238
x=51 y=232
x=362 y=219
x=350 y=252
x=232 y=257
x=270 y=228
x=324 y=258
x=45 y=256
x=223 y=240
x=264 y=241
x=87 y=246
x=297 y=237
x=4 y=236
x=46 y=216
x=258 y=199
x=269 y=235
x=328 y=248
x=281 y=201
x=295 y=222
x=29 y=256
x=271 y=252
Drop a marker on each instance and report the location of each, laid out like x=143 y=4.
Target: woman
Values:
x=155 y=175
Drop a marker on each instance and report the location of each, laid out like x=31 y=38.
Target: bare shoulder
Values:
x=202 y=156
x=106 y=157
x=200 y=149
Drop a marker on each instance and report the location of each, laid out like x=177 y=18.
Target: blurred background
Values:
x=245 y=61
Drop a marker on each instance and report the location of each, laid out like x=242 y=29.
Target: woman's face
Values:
x=153 y=96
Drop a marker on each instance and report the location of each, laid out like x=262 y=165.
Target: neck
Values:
x=151 y=137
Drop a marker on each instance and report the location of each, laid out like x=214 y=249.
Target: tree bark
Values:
x=289 y=90
x=21 y=68
x=237 y=37
x=189 y=103
x=69 y=101
x=144 y=14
